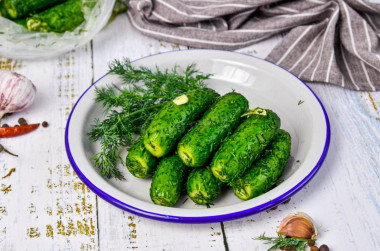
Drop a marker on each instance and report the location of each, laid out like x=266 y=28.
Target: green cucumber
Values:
x=139 y=161
x=16 y=9
x=196 y=147
x=263 y=175
x=237 y=153
x=168 y=181
x=60 y=18
x=202 y=186
x=21 y=22
x=172 y=121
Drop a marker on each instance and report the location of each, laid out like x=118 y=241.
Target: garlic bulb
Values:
x=16 y=92
x=298 y=225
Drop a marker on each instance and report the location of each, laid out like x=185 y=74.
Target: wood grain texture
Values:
x=371 y=101
x=46 y=205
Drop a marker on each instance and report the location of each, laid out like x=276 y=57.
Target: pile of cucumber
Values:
x=44 y=15
x=207 y=142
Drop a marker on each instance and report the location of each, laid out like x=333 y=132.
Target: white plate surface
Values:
x=263 y=84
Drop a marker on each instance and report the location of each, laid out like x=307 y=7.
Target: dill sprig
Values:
x=130 y=107
x=280 y=241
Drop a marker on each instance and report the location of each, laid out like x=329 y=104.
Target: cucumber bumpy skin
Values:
x=140 y=162
x=15 y=9
x=196 y=147
x=172 y=121
x=202 y=186
x=168 y=181
x=238 y=151
x=60 y=18
x=263 y=175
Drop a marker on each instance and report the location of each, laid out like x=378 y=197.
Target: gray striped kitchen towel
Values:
x=329 y=41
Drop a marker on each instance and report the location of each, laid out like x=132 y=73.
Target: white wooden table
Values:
x=45 y=206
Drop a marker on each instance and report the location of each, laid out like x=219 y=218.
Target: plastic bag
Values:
x=17 y=42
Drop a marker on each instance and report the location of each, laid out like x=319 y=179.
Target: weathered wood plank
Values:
x=118 y=229
x=43 y=205
x=46 y=205
x=371 y=101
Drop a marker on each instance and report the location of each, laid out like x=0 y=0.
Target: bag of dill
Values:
x=17 y=42
x=130 y=107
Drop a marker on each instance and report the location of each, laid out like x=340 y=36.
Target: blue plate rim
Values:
x=199 y=219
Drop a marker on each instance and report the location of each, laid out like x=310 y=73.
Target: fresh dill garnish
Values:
x=130 y=106
x=279 y=181
x=280 y=242
x=300 y=102
x=208 y=205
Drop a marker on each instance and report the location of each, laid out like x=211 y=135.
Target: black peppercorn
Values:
x=22 y=121
x=324 y=248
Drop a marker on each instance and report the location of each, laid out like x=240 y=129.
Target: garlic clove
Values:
x=16 y=92
x=183 y=99
x=256 y=111
x=298 y=225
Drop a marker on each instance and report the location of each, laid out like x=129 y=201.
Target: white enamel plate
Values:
x=263 y=84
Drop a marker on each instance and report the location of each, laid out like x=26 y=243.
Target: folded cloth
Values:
x=329 y=41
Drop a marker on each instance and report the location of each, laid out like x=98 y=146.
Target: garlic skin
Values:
x=16 y=92
x=298 y=225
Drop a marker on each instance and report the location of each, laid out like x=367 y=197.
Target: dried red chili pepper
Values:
x=7 y=132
